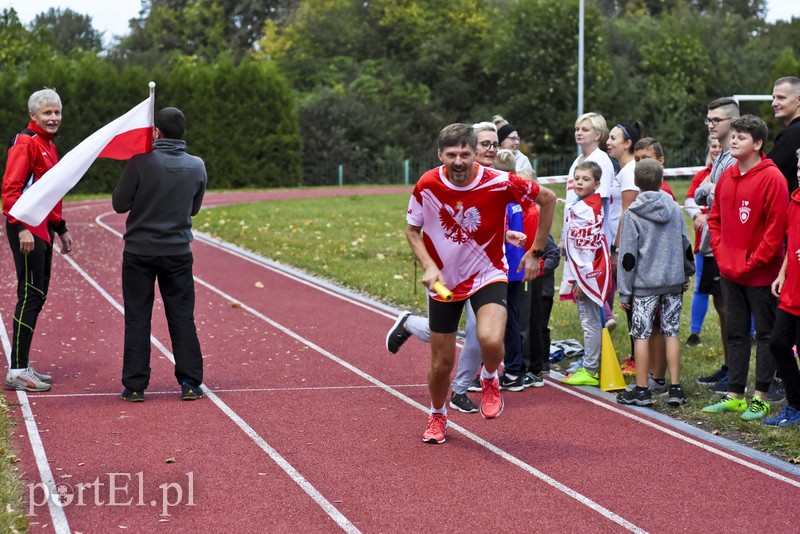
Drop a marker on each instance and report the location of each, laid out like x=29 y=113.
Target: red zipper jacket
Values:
x=28 y=159
x=790 y=294
x=748 y=223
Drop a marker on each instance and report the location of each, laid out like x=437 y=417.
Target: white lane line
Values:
x=44 y=397
x=608 y=514
x=295 y=475
x=705 y=446
x=586 y=501
x=60 y=523
x=308 y=280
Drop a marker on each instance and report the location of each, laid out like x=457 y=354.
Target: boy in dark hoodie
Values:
x=655 y=263
x=747 y=225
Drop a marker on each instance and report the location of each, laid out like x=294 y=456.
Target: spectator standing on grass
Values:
x=650 y=148
x=162 y=190
x=32 y=153
x=719 y=114
x=586 y=250
x=786 y=105
x=461 y=207
x=513 y=373
x=590 y=131
x=747 y=224
x=621 y=140
x=655 y=263
x=509 y=138
x=786 y=331
x=702 y=290
x=537 y=305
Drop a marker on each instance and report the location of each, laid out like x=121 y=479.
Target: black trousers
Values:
x=513 y=336
x=33 y=281
x=534 y=317
x=785 y=335
x=175 y=282
x=740 y=303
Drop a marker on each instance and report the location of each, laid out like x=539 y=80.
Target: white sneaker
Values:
x=26 y=381
x=41 y=376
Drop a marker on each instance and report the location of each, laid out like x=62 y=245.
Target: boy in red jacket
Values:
x=747 y=224
x=786 y=332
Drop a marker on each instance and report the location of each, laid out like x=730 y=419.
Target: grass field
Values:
x=359 y=242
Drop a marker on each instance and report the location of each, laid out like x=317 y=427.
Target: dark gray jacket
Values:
x=163 y=190
x=655 y=254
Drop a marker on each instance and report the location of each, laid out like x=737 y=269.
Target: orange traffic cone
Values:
x=611 y=378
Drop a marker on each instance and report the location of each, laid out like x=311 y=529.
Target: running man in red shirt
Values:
x=461 y=208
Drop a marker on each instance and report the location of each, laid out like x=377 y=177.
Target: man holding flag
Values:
x=161 y=191
x=31 y=154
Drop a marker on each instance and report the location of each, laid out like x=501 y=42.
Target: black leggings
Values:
x=33 y=280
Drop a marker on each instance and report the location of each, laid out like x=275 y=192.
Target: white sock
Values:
x=486 y=375
x=17 y=372
x=442 y=410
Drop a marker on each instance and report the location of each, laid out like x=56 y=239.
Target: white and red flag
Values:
x=121 y=139
x=587 y=248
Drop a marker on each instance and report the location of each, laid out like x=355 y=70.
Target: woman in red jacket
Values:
x=31 y=154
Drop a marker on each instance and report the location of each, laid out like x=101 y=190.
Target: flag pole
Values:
x=152 y=86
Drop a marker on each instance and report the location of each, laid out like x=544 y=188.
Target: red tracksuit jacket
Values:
x=748 y=223
x=790 y=294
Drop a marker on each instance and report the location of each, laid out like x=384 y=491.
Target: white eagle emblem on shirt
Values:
x=460 y=224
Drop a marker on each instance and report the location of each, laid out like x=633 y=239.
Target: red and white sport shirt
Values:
x=463 y=227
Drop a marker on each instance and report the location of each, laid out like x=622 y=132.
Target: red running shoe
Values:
x=437 y=424
x=492 y=401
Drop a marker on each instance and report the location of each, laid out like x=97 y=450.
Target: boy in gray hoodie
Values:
x=655 y=263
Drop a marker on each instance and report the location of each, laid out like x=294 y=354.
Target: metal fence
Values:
x=407 y=171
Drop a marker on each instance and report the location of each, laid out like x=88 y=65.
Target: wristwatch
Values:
x=537 y=253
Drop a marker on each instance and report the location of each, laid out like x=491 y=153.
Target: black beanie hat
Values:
x=504 y=132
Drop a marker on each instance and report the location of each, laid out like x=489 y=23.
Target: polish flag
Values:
x=120 y=139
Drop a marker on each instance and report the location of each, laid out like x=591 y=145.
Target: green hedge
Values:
x=241 y=118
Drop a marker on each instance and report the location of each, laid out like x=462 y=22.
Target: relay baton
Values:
x=443 y=292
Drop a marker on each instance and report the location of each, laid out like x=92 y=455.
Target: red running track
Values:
x=309 y=425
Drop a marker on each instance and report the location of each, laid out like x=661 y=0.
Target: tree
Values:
x=19 y=46
x=67 y=31
x=203 y=28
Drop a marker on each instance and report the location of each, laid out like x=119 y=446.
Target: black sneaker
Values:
x=636 y=397
x=693 y=340
x=462 y=403
x=721 y=386
x=475 y=385
x=511 y=384
x=397 y=333
x=190 y=392
x=132 y=396
x=776 y=392
x=676 y=396
x=713 y=378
